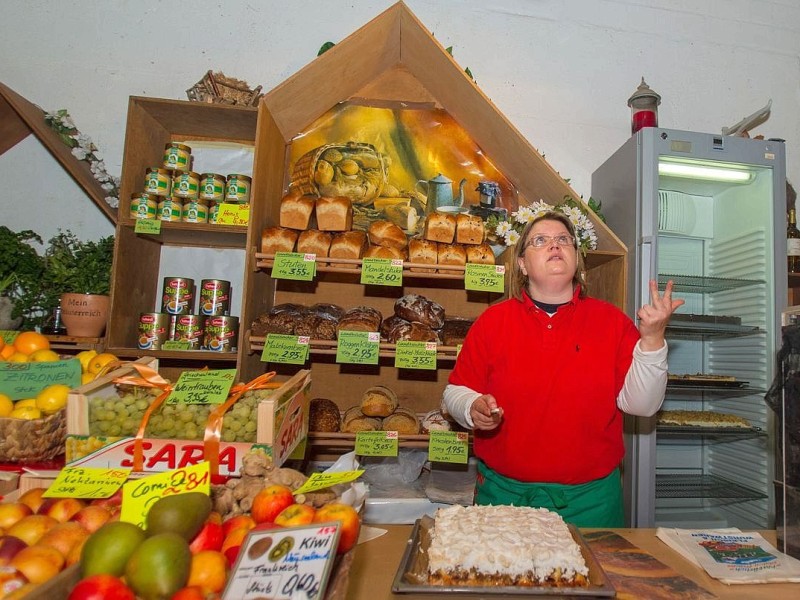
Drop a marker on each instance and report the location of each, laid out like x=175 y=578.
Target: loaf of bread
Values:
x=402 y=421
x=378 y=401
x=390 y=327
x=316 y=326
x=386 y=233
x=481 y=254
x=455 y=330
x=413 y=307
x=435 y=421
x=469 y=229
x=312 y=241
x=385 y=252
x=451 y=254
x=296 y=211
x=282 y=318
x=324 y=309
x=396 y=329
x=360 y=318
x=362 y=423
x=348 y=244
x=422 y=252
x=334 y=214
x=323 y=415
x=440 y=228
x=277 y=239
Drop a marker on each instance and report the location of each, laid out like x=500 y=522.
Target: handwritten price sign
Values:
x=147 y=226
x=233 y=214
x=293 y=265
x=87 y=482
x=318 y=481
x=448 y=446
x=358 y=347
x=202 y=387
x=484 y=278
x=382 y=271
x=286 y=349
x=415 y=355
x=25 y=380
x=376 y=443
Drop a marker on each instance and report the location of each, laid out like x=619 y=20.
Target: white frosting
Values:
x=504 y=540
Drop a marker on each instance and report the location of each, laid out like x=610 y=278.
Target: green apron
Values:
x=597 y=503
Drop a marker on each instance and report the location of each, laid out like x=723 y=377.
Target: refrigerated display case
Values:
x=709 y=213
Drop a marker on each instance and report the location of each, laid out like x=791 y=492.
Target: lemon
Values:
x=87 y=377
x=97 y=363
x=52 y=398
x=26 y=412
x=26 y=403
x=18 y=357
x=85 y=357
x=6 y=405
x=44 y=356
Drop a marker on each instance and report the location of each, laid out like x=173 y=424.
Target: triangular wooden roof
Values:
x=20 y=118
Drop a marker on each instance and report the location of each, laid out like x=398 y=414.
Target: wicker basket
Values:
x=33 y=440
x=215 y=88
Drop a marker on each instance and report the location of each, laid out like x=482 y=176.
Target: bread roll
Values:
x=362 y=423
x=413 y=307
x=314 y=242
x=323 y=415
x=481 y=254
x=469 y=229
x=348 y=244
x=334 y=214
x=402 y=421
x=277 y=239
x=424 y=252
x=435 y=421
x=451 y=254
x=440 y=228
x=385 y=252
x=385 y=233
x=361 y=318
x=296 y=211
x=354 y=412
x=378 y=401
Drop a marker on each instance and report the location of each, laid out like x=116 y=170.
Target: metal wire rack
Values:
x=677 y=485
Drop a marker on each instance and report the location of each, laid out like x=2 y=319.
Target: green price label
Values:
x=176 y=345
x=382 y=271
x=458 y=349
x=376 y=443
x=288 y=349
x=415 y=355
x=358 y=347
x=485 y=278
x=202 y=387
x=293 y=265
x=448 y=446
x=8 y=336
x=149 y=226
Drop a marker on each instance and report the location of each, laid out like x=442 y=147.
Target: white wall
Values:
x=560 y=71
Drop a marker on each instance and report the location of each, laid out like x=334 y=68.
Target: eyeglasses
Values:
x=542 y=241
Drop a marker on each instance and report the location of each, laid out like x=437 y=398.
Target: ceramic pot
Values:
x=84 y=315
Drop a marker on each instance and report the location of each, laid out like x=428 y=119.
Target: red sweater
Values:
x=557 y=379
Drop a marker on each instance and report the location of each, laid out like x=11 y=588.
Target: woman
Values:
x=544 y=377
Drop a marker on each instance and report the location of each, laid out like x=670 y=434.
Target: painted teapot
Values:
x=439 y=193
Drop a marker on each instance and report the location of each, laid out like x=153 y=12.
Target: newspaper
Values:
x=732 y=556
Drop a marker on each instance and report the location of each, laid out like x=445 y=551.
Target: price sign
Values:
x=147 y=226
x=202 y=387
x=293 y=265
x=484 y=278
x=382 y=271
x=140 y=494
x=176 y=345
x=284 y=563
x=415 y=355
x=25 y=380
x=318 y=481
x=376 y=443
x=233 y=214
x=358 y=347
x=87 y=482
x=287 y=349
x=458 y=349
x=448 y=446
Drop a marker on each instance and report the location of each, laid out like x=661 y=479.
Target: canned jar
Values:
x=177 y=297
x=158 y=182
x=153 y=330
x=170 y=210
x=237 y=189
x=144 y=206
x=212 y=187
x=213 y=211
x=186 y=185
x=189 y=328
x=177 y=156
x=221 y=333
x=215 y=297
x=195 y=212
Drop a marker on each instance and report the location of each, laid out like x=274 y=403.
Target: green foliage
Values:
x=325 y=47
x=21 y=268
x=596 y=206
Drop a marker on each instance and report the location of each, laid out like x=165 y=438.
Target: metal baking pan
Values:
x=411 y=576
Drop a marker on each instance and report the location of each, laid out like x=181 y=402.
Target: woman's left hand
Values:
x=653 y=317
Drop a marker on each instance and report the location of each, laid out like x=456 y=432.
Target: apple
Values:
x=236 y=522
x=63 y=537
x=295 y=514
x=270 y=501
x=91 y=517
x=11 y=512
x=29 y=529
x=210 y=536
x=61 y=509
x=350 y=523
x=33 y=498
x=101 y=587
x=38 y=563
x=190 y=592
x=9 y=546
x=233 y=543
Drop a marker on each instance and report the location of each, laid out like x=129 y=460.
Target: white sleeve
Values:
x=645 y=383
x=456 y=401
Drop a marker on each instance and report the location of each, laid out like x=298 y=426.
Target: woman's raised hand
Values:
x=654 y=317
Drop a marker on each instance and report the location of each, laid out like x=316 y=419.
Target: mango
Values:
x=159 y=567
x=183 y=514
x=107 y=550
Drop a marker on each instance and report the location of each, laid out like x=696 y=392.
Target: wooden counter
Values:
x=376 y=564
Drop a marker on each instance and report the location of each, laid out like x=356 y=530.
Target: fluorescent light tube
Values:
x=691 y=171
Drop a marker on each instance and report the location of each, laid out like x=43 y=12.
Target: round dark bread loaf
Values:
x=455 y=330
x=413 y=307
x=361 y=318
x=323 y=415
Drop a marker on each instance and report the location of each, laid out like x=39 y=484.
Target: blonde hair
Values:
x=518 y=281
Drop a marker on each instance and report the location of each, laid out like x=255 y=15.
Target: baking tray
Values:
x=411 y=576
x=707 y=383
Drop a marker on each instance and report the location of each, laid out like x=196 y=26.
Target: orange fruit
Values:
x=209 y=571
x=29 y=342
x=7 y=351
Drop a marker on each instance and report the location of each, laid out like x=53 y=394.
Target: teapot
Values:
x=439 y=193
